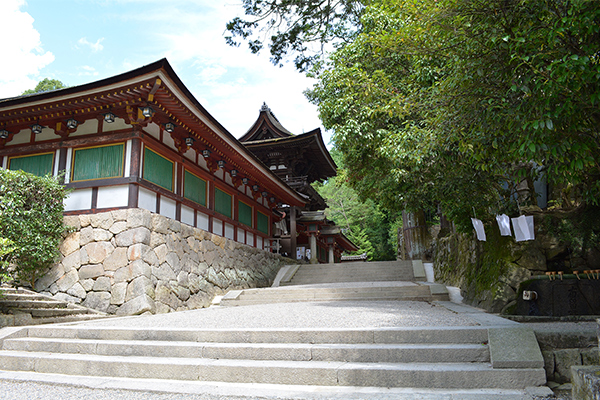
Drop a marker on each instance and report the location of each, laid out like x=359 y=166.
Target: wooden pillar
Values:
x=134 y=172
x=331 y=255
x=293 y=233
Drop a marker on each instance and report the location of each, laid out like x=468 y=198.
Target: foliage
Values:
x=31 y=216
x=363 y=222
x=294 y=25
x=454 y=102
x=46 y=85
x=6 y=248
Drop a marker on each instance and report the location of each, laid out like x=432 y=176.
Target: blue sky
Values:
x=80 y=41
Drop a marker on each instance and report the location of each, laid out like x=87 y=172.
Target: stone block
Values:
x=156 y=239
x=102 y=220
x=53 y=289
x=119 y=215
x=97 y=300
x=137 y=217
x=84 y=220
x=67 y=280
x=165 y=295
x=162 y=308
x=586 y=382
x=86 y=235
x=174 y=225
x=199 y=269
x=136 y=251
x=118 y=227
x=187 y=231
x=150 y=257
x=98 y=251
x=200 y=300
x=50 y=277
x=102 y=235
x=70 y=244
x=118 y=292
x=137 y=306
x=77 y=290
x=164 y=273
x=549 y=364
x=161 y=253
x=182 y=279
x=133 y=236
x=91 y=271
x=72 y=221
x=160 y=224
x=564 y=359
x=66 y=297
x=590 y=356
x=102 y=284
x=72 y=261
x=174 y=262
x=132 y=271
x=117 y=259
x=88 y=284
x=139 y=286
x=182 y=293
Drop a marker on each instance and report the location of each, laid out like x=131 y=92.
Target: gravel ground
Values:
x=347 y=314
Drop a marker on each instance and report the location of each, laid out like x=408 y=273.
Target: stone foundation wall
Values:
x=129 y=262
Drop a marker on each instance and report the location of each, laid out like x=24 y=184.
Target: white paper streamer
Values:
x=504 y=224
x=524 y=228
x=478 y=225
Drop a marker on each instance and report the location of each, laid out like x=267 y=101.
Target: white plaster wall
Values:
x=217 y=227
x=147 y=200
x=250 y=238
x=229 y=229
x=115 y=126
x=153 y=129
x=113 y=196
x=202 y=221
x=168 y=140
x=240 y=235
x=88 y=127
x=79 y=200
x=259 y=242
x=168 y=207
x=47 y=134
x=187 y=215
x=22 y=137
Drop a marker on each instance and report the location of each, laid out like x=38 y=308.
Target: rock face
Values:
x=489 y=273
x=129 y=262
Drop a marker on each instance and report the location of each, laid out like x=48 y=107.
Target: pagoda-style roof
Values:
x=155 y=85
x=289 y=155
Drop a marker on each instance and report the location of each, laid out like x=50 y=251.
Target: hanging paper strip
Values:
x=478 y=225
x=504 y=224
x=523 y=228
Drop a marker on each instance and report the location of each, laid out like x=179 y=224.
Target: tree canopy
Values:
x=46 y=85
x=454 y=103
x=300 y=27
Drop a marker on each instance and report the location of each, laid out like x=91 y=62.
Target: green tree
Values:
x=301 y=27
x=31 y=217
x=46 y=85
x=452 y=102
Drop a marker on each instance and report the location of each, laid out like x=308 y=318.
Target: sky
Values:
x=81 y=41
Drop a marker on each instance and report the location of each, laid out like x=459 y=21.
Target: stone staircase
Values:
x=467 y=357
x=355 y=281
x=375 y=271
x=20 y=307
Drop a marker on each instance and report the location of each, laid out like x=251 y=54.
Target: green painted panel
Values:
x=194 y=188
x=245 y=213
x=222 y=203
x=39 y=164
x=157 y=169
x=262 y=223
x=98 y=162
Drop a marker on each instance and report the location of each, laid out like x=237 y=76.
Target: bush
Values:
x=31 y=217
x=6 y=248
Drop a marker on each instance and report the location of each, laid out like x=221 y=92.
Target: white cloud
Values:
x=23 y=53
x=94 y=46
x=88 y=71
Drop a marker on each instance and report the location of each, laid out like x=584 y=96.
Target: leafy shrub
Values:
x=31 y=217
x=6 y=248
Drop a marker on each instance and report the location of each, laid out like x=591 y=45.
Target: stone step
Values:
x=26 y=296
x=390 y=335
x=299 y=290
x=50 y=312
x=19 y=303
x=391 y=353
x=325 y=373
